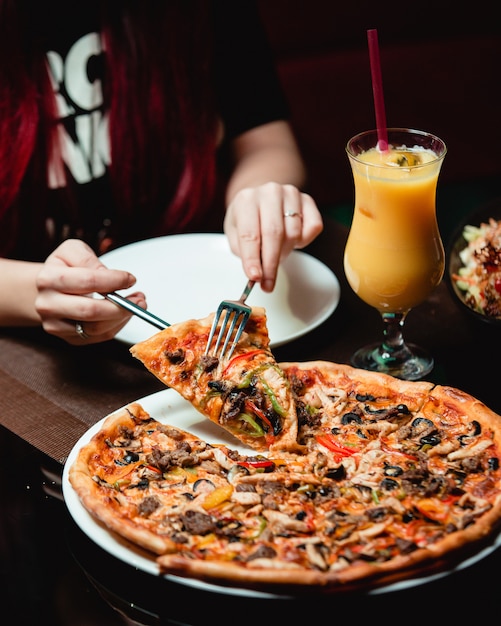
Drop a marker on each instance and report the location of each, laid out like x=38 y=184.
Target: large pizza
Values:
x=348 y=479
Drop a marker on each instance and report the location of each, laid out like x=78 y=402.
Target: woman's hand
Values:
x=263 y=224
x=64 y=302
x=267 y=215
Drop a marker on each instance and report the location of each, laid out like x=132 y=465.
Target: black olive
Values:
x=217 y=385
x=408 y=516
x=142 y=484
x=393 y=470
x=458 y=476
x=131 y=457
x=403 y=408
x=350 y=417
x=337 y=473
x=430 y=440
x=301 y=515
x=365 y=397
x=477 y=428
x=421 y=420
x=200 y=481
x=388 y=484
x=493 y=463
x=310 y=494
x=368 y=409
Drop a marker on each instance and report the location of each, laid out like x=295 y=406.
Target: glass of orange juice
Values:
x=394 y=256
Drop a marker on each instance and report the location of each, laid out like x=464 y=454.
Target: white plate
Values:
x=187 y=276
x=169 y=407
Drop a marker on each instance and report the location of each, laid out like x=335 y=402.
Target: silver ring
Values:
x=292 y=214
x=80 y=331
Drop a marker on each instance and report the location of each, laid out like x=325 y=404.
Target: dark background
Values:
x=440 y=66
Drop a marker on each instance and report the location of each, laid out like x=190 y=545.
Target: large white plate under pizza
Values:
x=169 y=407
x=187 y=276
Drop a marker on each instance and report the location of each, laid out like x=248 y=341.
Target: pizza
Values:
x=248 y=395
x=377 y=480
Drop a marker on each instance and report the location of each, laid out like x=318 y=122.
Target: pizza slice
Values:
x=249 y=395
x=343 y=408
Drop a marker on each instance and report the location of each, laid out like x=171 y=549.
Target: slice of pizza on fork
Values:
x=247 y=395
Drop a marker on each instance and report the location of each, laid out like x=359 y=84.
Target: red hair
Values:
x=162 y=119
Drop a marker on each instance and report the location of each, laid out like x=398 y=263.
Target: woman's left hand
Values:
x=64 y=302
x=265 y=223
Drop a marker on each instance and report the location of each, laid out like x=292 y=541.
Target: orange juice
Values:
x=394 y=255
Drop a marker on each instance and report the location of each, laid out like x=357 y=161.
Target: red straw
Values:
x=377 y=90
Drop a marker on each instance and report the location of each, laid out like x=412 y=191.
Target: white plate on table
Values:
x=168 y=407
x=186 y=277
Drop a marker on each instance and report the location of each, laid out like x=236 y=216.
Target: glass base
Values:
x=412 y=362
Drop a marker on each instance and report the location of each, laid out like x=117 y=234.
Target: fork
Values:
x=136 y=310
x=236 y=311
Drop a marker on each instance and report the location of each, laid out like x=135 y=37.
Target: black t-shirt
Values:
x=248 y=94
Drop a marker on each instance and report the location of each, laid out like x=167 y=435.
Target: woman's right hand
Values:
x=65 y=284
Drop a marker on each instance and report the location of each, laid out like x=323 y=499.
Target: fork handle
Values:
x=248 y=288
x=136 y=310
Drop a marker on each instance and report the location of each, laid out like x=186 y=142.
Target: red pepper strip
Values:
x=387 y=448
x=269 y=437
x=450 y=499
x=334 y=446
x=252 y=407
x=245 y=355
x=257 y=464
x=153 y=469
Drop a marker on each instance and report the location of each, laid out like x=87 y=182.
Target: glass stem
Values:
x=393 y=346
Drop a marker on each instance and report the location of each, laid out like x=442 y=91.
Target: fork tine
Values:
x=244 y=317
x=236 y=311
x=223 y=330
x=235 y=316
x=213 y=330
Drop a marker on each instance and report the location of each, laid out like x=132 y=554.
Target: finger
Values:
x=108 y=328
x=243 y=228
x=293 y=219
x=103 y=324
x=55 y=305
x=74 y=253
x=286 y=234
x=83 y=333
x=81 y=280
x=74 y=268
x=271 y=252
x=312 y=222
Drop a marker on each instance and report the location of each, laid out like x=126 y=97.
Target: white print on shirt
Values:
x=83 y=127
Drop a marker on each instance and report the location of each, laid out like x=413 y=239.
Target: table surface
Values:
x=52 y=393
